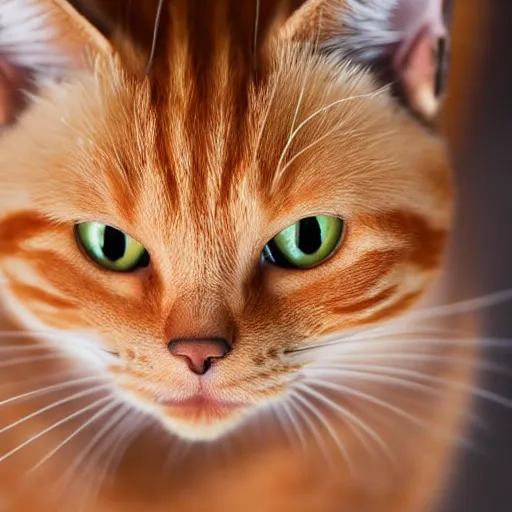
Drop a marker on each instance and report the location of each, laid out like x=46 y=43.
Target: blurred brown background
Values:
x=479 y=124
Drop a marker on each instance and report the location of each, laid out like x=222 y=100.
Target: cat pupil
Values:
x=114 y=244
x=309 y=235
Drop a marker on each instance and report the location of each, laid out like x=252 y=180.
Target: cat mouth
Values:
x=203 y=406
x=201 y=416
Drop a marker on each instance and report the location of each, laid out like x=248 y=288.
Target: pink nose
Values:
x=199 y=353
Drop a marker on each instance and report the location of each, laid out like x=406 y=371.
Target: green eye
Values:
x=111 y=248
x=306 y=243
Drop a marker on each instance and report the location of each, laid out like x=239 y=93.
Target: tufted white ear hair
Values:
x=404 y=41
x=40 y=41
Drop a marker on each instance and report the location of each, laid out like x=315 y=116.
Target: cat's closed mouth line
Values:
x=203 y=402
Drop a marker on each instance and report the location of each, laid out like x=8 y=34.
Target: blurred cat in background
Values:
x=219 y=222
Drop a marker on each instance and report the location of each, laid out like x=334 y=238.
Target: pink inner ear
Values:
x=12 y=80
x=417 y=74
x=414 y=17
x=421 y=25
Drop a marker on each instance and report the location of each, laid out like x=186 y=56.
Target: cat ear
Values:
x=404 y=41
x=41 y=41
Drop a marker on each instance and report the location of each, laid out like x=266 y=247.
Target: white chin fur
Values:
x=201 y=432
x=185 y=430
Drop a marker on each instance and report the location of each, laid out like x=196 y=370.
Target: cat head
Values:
x=192 y=200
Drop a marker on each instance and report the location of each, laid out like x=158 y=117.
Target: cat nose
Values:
x=199 y=353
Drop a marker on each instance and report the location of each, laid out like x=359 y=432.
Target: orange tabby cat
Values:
x=217 y=220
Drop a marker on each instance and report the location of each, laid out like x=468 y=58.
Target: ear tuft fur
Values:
x=403 y=42
x=368 y=29
x=373 y=28
x=41 y=41
x=27 y=38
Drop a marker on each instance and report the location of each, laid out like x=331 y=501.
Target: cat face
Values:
x=193 y=231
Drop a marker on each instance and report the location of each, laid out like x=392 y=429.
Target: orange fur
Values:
x=196 y=162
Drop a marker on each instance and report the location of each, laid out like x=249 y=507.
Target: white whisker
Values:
x=316 y=141
x=255 y=38
x=176 y=449
x=312 y=428
x=116 y=420
x=389 y=407
x=423 y=358
x=363 y=333
x=38 y=337
x=76 y=414
x=355 y=420
x=389 y=373
x=328 y=427
x=34 y=359
x=289 y=410
x=104 y=410
x=154 y=40
x=381 y=339
x=50 y=389
x=462 y=307
x=28 y=333
x=53 y=406
x=113 y=440
x=25 y=348
x=285 y=427
x=449 y=341
x=316 y=113
x=300 y=99
x=402 y=325
x=139 y=423
x=44 y=378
